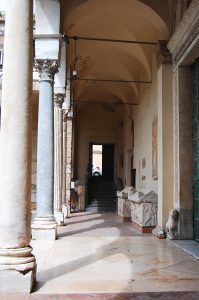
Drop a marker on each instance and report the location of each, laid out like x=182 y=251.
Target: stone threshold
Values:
x=189 y=246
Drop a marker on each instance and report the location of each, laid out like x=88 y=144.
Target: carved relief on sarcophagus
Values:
x=124 y=205
x=144 y=209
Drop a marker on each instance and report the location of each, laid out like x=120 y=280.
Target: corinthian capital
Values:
x=58 y=100
x=46 y=68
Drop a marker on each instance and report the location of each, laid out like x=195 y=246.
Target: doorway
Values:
x=101 y=161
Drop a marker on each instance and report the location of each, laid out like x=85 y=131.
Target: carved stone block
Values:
x=124 y=208
x=144 y=209
x=172 y=224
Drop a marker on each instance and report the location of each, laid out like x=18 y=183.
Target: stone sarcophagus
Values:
x=144 y=211
x=123 y=204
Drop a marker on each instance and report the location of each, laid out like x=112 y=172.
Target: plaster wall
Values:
x=127 y=148
x=143 y=116
x=98 y=126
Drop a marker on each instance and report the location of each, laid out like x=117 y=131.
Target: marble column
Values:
x=58 y=158
x=17 y=264
x=44 y=225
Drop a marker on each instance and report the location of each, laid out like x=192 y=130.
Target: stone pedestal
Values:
x=124 y=209
x=17 y=270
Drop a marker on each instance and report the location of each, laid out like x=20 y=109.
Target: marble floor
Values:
x=99 y=254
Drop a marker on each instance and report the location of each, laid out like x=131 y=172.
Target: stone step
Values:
x=101 y=209
x=107 y=201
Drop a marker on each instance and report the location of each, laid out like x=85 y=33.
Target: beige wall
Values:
x=143 y=116
x=94 y=124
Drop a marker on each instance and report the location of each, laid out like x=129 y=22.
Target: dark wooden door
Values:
x=108 y=162
x=195 y=120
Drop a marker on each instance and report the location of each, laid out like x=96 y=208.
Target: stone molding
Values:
x=21 y=259
x=163 y=56
x=46 y=69
x=186 y=35
x=65 y=115
x=58 y=100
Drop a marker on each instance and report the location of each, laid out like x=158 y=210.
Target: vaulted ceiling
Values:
x=146 y=20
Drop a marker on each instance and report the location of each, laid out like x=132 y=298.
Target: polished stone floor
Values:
x=98 y=253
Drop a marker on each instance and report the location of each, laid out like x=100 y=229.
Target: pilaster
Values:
x=69 y=140
x=165 y=136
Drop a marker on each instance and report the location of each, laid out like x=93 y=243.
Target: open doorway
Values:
x=102 y=161
x=97 y=160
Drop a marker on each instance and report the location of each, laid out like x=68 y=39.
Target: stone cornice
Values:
x=46 y=69
x=163 y=56
x=186 y=34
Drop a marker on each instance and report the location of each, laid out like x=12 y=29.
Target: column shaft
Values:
x=15 y=151
x=44 y=226
x=69 y=135
x=58 y=158
x=64 y=162
x=45 y=151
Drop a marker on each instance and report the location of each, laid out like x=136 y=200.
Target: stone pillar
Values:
x=44 y=225
x=165 y=137
x=58 y=158
x=17 y=264
x=183 y=164
x=69 y=139
x=65 y=207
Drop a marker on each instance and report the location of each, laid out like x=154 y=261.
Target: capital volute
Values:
x=58 y=100
x=163 y=55
x=46 y=68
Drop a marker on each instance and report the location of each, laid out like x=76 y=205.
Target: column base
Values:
x=59 y=217
x=65 y=210
x=159 y=232
x=17 y=270
x=14 y=282
x=44 y=228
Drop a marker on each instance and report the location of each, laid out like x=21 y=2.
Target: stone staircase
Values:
x=102 y=196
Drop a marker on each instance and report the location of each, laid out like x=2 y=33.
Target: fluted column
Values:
x=44 y=225
x=17 y=264
x=58 y=158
